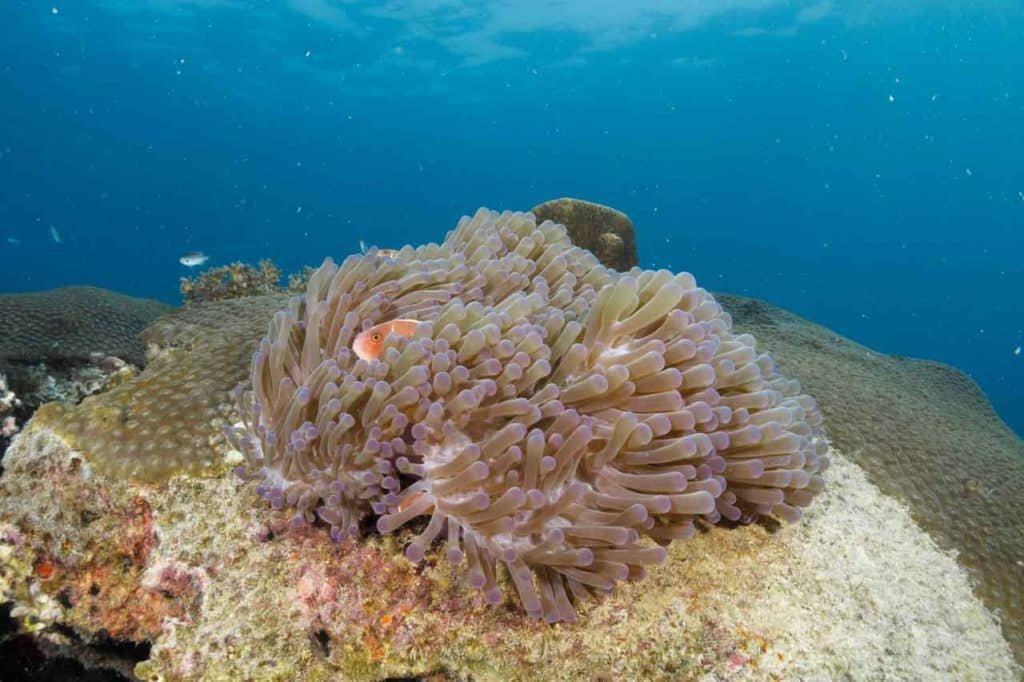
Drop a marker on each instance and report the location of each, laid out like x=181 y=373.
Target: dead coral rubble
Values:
x=8 y=404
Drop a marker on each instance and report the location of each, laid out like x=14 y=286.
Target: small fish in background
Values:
x=55 y=235
x=386 y=253
x=368 y=344
x=13 y=241
x=193 y=259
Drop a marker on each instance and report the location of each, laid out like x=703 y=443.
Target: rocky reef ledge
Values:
x=223 y=590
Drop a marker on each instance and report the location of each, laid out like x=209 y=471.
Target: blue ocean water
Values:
x=857 y=163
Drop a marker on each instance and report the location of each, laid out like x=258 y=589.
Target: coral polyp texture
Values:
x=168 y=420
x=547 y=415
x=908 y=423
x=72 y=324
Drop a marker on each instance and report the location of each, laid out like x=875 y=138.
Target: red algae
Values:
x=46 y=569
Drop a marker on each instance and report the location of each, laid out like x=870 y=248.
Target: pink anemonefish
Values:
x=368 y=344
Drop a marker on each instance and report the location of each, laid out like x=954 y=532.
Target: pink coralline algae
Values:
x=549 y=419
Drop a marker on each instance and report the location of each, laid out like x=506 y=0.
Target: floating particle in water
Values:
x=13 y=241
x=891 y=98
x=54 y=11
x=1016 y=351
x=298 y=210
x=55 y=235
x=969 y=172
x=309 y=52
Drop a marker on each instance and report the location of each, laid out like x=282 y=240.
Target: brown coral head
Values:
x=549 y=415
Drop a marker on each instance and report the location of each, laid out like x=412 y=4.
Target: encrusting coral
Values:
x=548 y=414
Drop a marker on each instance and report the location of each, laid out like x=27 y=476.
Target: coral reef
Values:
x=224 y=589
x=65 y=383
x=547 y=415
x=72 y=324
x=231 y=281
x=38 y=384
x=65 y=344
x=602 y=230
x=167 y=420
x=297 y=281
x=925 y=434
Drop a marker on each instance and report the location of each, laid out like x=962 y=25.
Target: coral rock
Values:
x=223 y=589
x=604 y=231
x=925 y=434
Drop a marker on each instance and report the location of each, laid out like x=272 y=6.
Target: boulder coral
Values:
x=548 y=415
x=910 y=424
x=72 y=324
x=604 y=231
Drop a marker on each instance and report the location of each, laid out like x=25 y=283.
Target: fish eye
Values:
x=376 y=337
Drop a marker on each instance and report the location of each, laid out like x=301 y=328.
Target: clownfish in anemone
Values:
x=368 y=344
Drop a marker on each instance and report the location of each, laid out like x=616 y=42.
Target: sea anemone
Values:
x=548 y=415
